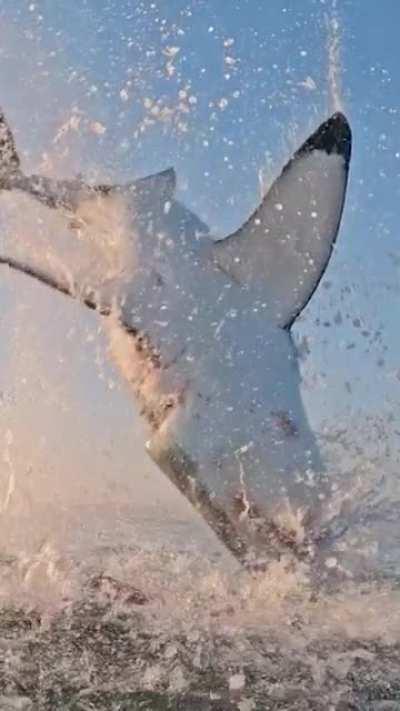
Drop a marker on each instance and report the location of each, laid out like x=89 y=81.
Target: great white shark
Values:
x=211 y=359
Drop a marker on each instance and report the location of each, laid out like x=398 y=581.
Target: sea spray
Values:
x=334 y=39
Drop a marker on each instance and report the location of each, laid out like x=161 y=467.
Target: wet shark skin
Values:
x=212 y=363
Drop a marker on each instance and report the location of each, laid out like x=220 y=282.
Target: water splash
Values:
x=335 y=68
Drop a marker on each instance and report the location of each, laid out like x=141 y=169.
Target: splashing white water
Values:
x=334 y=60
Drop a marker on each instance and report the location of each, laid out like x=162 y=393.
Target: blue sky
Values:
x=254 y=82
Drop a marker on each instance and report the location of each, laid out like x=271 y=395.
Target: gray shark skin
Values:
x=212 y=363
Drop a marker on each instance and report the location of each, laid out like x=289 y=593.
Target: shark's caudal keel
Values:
x=206 y=324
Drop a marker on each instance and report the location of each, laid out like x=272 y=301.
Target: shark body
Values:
x=211 y=359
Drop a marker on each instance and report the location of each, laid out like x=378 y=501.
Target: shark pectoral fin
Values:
x=9 y=159
x=283 y=249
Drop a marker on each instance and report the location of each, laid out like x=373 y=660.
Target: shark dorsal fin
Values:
x=283 y=249
x=162 y=184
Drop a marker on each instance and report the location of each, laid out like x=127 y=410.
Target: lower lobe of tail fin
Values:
x=9 y=159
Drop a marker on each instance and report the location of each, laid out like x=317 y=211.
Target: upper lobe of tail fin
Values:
x=9 y=159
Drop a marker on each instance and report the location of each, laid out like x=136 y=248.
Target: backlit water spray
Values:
x=334 y=41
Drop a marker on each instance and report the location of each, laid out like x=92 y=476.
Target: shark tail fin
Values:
x=9 y=159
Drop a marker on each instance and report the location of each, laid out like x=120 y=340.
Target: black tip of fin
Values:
x=9 y=159
x=333 y=136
